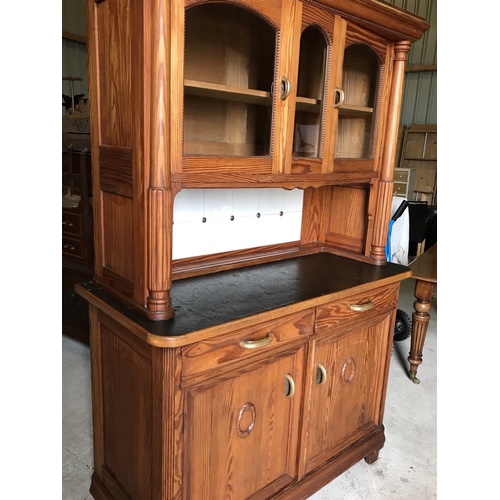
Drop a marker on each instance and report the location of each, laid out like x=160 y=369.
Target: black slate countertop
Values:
x=206 y=301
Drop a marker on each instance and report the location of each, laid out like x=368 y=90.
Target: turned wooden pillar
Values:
x=420 y=322
x=385 y=184
x=159 y=194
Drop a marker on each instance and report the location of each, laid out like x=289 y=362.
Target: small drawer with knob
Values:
x=401 y=175
x=71 y=223
x=219 y=352
x=72 y=247
x=355 y=308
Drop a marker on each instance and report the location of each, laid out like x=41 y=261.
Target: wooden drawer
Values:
x=399 y=189
x=400 y=175
x=72 y=247
x=355 y=308
x=245 y=343
x=71 y=223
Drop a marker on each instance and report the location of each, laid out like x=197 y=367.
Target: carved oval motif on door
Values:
x=348 y=369
x=246 y=408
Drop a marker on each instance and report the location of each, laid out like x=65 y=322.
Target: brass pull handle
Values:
x=321 y=375
x=362 y=307
x=67 y=223
x=341 y=98
x=284 y=88
x=289 y=386
x=256 y=344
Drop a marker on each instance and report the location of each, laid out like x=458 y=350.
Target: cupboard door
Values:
x=311 y=91
x=241 y=431
x=229 y=70
x=358 y=98
x=346 y=389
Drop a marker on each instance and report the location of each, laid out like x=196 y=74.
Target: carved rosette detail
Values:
x=247 y=407
x=347 y=372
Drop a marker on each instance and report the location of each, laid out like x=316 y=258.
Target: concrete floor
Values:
x=407 y=464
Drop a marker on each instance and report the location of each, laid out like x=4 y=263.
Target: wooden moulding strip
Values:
x=289 y=181
x=241 y=258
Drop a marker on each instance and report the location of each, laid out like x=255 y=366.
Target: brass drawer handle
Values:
x=285 y=88
x=68 y=246
x=256 y=344
x=321 y=375
x=289 y=386
x=362 y=307
x=67 y=223
x=341 y=99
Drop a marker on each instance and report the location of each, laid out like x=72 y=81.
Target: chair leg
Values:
x=420 y=248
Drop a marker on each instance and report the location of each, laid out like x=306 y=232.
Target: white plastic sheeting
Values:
x=400 y=237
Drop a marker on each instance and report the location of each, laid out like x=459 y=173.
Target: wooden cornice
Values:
x=387 y=20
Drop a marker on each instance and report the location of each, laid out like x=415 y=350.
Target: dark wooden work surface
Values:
x=206 y=301
x=424 y=269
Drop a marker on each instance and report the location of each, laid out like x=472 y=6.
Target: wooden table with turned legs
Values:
x=424 y=271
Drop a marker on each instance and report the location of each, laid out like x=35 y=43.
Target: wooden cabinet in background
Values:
x=419 y=153
x=260 y=372
x=77 y=240
x=404 y=182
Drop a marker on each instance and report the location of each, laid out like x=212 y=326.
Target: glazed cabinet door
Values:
x=313 y=98
x=241 y=430
x=345 y=389
x=361 y=90
x=234 y=81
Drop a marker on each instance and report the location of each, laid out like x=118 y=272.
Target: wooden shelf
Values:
x=308 y=104
x=350 y=110
x=227 y=93
x=250 y=96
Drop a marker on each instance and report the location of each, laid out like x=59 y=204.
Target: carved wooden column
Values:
x=385 y=184
x=159 y=195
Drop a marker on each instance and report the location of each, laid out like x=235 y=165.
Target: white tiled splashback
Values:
x=219 y=220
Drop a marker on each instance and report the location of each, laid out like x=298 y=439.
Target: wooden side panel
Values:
x=313 y=222
x=126 y=382
x=116 y=170
x=137 y=415
x=114 y=68
x=348 y=218
x=118 y=255
x=117 y=105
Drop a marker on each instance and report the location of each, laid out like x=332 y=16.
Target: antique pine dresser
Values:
x=258 y=372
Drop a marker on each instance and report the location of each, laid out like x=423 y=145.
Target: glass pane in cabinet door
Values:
x=357 y=102
x=228 y=75
x=310 y=94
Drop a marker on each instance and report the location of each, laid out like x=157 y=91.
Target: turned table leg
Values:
x=422 y=306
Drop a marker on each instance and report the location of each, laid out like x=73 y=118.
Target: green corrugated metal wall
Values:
x=420 y=89
x=420 y=92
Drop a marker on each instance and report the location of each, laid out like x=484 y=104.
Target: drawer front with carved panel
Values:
x=246 y=343
x=355 y=308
